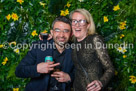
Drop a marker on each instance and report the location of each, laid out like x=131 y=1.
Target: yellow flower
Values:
x=4 y=63
x=14 y=43
x=66 y=12
x=62 y=13
x=34 y=33
x=105 y=19
x=124 y=56
x=116 y=73
x=122 y=27
x=45 y=31
x=15 y=89
x=8 y=17
x=68 y=5
x=42 y=4
x=6 y=59
x=16 y=51
x=122 y=35
x=132 y=79
x=124 y=50
x=1 y=46
x=20 y=1
x=116 y=8
x=123 y=23
x=119 y=49
x=14 y=16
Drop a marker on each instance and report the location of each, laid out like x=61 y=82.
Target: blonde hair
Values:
x=88 y=17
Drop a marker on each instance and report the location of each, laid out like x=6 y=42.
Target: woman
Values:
x=93 y=66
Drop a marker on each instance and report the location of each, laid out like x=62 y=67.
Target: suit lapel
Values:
x=49 y=50
x=66 y=60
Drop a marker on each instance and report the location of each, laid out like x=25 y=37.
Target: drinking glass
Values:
x=56 y=86
x=44 y=36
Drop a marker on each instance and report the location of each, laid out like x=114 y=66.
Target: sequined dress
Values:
x=95 y=59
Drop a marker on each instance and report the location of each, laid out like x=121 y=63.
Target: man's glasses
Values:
x=80 y=22
x=58 y=30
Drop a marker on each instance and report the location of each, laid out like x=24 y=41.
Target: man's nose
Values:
x=61 y=33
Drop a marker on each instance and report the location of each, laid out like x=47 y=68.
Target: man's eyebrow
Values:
x=67 y=29
x=63 y=29
x=56 y=28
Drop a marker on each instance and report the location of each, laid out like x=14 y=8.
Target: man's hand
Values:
x=46 y=67
x=61 y=76
x=94 y=86
x=49 y=37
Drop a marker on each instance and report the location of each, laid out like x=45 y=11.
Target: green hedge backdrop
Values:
x=21 y=21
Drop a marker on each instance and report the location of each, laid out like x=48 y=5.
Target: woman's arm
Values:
x=104 y=59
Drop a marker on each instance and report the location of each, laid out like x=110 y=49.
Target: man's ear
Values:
x=51 y=31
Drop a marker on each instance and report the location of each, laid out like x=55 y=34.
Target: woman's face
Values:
x=79 y=26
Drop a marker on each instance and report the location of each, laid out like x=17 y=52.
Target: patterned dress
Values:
x=95 y=59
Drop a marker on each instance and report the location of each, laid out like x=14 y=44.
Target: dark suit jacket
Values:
x=28 y=67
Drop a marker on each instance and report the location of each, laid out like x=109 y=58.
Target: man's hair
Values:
x=62 y=19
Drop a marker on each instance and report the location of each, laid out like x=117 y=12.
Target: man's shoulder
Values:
x=41 y=45
x=42 y=41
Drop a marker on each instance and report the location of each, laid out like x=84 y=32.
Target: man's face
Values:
x=61 y=33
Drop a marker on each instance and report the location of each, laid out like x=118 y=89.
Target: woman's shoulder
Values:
x=95 y=37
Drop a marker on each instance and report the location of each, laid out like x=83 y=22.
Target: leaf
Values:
x=131 y=88
x=55 y=6
x=11 y=72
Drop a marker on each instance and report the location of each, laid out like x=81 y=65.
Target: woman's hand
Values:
x=94 y=86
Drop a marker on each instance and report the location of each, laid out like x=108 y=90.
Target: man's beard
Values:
x=61 y=44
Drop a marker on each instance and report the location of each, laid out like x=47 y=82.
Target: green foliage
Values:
x=34 y=16
x=56 y=5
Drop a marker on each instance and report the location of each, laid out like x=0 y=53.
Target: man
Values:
x=41 y=73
